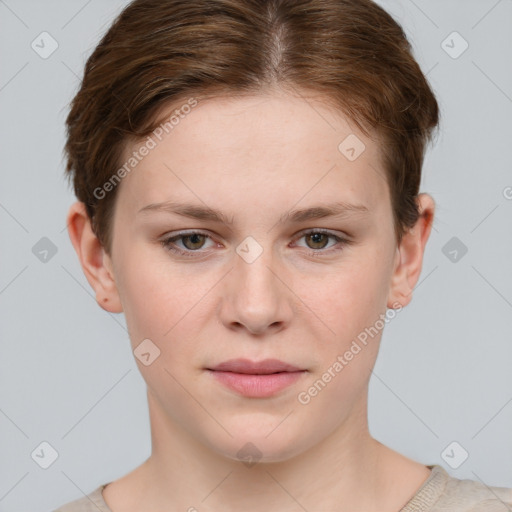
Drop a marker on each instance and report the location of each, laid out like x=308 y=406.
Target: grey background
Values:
x=67 y=374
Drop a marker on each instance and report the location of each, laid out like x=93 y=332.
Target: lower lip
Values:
x=257 y=386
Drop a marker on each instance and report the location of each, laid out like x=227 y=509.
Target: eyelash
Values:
x=168 y=242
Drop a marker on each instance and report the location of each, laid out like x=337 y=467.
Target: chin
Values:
x=260 y=448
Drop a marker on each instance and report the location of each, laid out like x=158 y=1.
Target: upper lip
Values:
x=263 y=367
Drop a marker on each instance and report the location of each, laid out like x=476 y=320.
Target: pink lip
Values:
x=255 y=368
x=256 y=379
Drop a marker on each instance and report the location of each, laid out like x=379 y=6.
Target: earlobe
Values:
x=95 y=262
x=409 y=255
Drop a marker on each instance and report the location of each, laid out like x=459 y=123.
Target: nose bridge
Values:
x=258 y=298
x=253 y=270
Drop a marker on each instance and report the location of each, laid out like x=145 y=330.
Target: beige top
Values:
x=439 y=493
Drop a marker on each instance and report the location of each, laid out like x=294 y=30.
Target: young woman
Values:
x=247 y=175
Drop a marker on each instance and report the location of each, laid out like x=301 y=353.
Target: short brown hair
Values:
x=158 y=52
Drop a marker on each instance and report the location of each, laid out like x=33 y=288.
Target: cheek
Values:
x=153 y=299
x=350 y=305
x=349 y=298
x=158 y=307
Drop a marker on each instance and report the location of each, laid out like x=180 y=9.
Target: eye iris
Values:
x=316 y=236
x=196 y=240
x=193 y=237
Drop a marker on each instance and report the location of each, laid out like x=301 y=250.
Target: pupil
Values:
x=194 y=239
x=317 y=237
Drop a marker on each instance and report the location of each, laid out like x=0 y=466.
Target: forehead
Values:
x=272 y=144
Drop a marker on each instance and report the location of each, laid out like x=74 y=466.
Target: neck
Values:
x=347 y=471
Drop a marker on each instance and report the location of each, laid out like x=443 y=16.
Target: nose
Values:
x=255 y=296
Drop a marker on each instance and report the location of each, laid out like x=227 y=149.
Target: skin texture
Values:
x=256 y=158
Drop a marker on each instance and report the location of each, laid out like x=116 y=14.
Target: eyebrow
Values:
x=337 y=209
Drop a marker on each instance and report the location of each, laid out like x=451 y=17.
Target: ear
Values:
x=409 y=254
x=96 y=263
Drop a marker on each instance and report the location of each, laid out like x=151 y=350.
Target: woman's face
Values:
x=262 y=281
